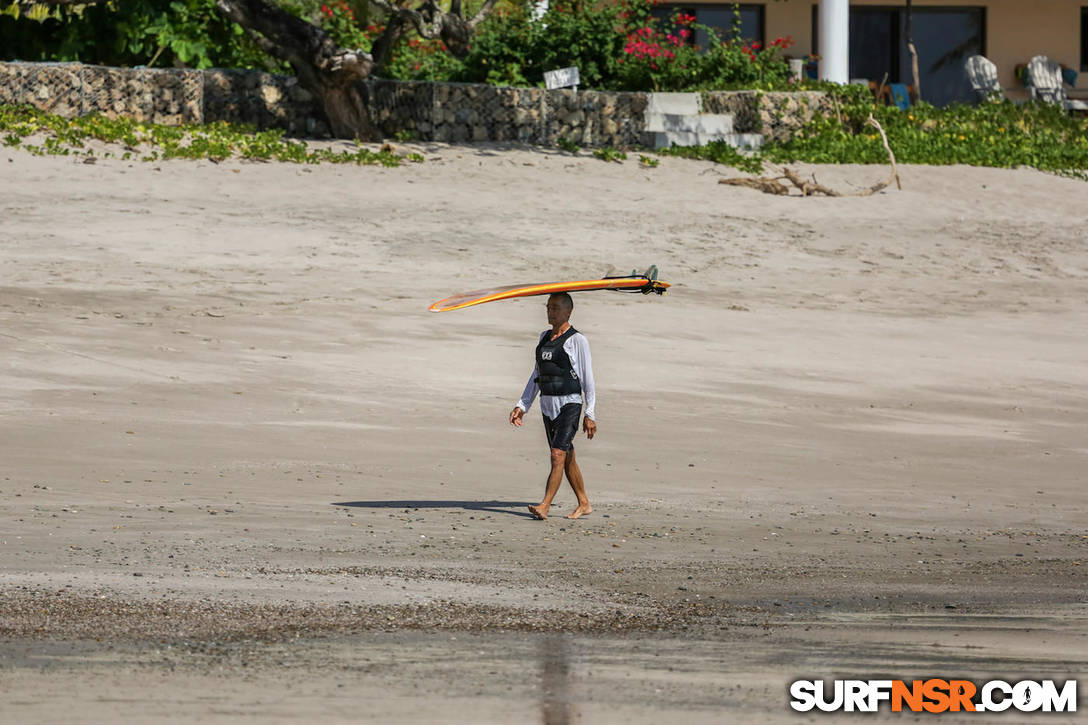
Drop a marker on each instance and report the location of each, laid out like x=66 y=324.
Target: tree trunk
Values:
x=334 y=75
x=916 y=92
x=346 y=109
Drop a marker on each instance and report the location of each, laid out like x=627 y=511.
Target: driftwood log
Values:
x=774 y=185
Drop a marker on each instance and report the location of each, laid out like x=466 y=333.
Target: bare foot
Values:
x=582 y=510
x=540 y=511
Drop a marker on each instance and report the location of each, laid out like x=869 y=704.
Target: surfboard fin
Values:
x=650 y=275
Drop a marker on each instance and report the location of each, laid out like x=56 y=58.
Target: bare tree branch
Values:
x=811 y=188
x=262 y=42
x=431 y=21
x=482 y=13
x=381 y=50
x=427 y=20
x=767 y=186
x=891 y=157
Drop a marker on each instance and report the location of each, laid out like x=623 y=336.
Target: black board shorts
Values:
x=561 y=431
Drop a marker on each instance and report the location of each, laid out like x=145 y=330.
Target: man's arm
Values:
x=529 y=394
x=527 y=397
x=582 y=362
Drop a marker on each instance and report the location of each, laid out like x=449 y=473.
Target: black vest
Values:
x=556 y=374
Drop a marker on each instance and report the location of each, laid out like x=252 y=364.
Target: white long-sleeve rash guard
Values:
x=577 y=349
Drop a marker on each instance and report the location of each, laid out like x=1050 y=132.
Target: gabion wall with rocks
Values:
x=446 y=112
x=170 y=97
x=777 y=115
x=265 y=100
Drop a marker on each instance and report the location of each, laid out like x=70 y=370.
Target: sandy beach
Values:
x=245 y=476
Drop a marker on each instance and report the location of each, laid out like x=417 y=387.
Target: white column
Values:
x=835 y=40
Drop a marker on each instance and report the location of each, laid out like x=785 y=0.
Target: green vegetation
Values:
x=1003 y=135
x=617 y=45
x=20 y=126
x=158 y=33
x=571 y=147
x=997 y=135
x=648 y=161
x=608 y=153
x=719 y=152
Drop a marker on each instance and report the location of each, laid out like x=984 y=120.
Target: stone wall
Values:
x=170 y=97
x=402 y=106
x=595 y=118
x=446 y=112
x=777 y=115
x=264 y=100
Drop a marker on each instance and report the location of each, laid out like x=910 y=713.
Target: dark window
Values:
x=945 y=37
x=874 y=36
x=721 y=18
x=665 y=14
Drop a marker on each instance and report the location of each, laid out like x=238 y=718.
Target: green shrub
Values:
x=571 y=147
x=719 y=152
x=135 y=32
x=661 y=57
x=608 y=153
x=616 y=45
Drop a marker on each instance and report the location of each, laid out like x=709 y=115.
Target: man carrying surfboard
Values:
x=563 y=375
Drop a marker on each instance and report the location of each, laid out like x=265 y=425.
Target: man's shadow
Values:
x=513 y=508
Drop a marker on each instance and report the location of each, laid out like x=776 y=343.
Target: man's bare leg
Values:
x=555 y=478
x=574 y=477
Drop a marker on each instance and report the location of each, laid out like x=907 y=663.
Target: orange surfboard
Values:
x=633 y=283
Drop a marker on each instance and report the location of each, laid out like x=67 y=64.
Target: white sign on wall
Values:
x=562 y=78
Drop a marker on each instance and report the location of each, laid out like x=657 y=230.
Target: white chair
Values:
x=1044 y=80
x=982 y=74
